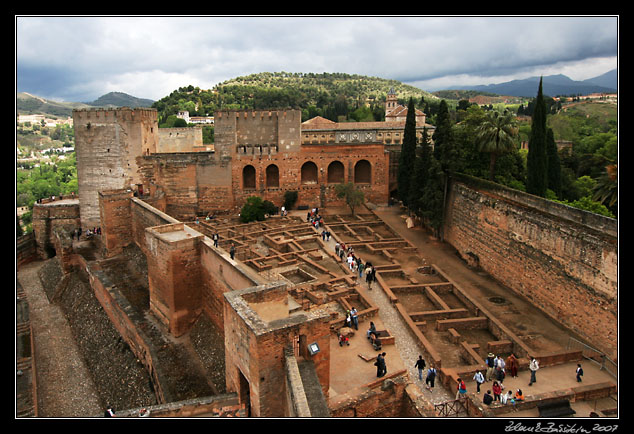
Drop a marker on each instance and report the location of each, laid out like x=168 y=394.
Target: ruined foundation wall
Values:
x=561 y=259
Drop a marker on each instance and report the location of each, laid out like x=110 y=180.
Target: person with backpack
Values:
x=431 y=377
x=579 y=373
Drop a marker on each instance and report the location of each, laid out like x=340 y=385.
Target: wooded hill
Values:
x=331 y=95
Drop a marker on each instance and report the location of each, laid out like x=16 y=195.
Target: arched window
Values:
x=272 y=176
x=248 y=177
x=309 y=173
x=335 y=172
x=363 y=172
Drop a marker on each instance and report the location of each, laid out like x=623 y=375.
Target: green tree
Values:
x=290 y=197
x=496 y=136
x=433 y=196
x=554 y=165
x=352 y=195
x=444 y=144
x=408 y=154
x=536 y=162
x=420 y=174
x=254 y=209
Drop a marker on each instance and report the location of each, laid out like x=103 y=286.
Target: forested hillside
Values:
x=335 y=96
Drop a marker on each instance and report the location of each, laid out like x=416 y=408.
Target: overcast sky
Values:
x=82 y=58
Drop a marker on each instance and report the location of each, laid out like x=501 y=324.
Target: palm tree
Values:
x=607 y=188
x=496 y=136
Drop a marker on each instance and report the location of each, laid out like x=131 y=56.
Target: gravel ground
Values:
x=82 y=363
x=65 y=387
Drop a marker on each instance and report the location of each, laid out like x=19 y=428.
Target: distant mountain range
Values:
x=31 y=104
x=553 y=85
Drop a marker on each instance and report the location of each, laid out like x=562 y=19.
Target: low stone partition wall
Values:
x=384 y=397
x=226 y=405
x=580 y=393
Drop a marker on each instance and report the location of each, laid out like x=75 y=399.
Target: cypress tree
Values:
x=536 y=163
x=433 y=196
x=554 y=165
x=444 y=146
x=408 y=154
x=420 y=174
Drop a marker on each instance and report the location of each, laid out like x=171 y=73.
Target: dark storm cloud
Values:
x=149 y=57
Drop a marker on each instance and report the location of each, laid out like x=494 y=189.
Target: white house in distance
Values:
x=195 y=119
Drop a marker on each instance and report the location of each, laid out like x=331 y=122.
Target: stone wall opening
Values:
x=309 y=173
x=363 y=172
x=272 y=176
x=335 y=172
x=248 y=177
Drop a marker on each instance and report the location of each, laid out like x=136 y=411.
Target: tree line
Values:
x=486 y=144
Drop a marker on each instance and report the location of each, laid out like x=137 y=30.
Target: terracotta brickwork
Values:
x=257 y=334
x=174 y=275
x=114 y=209
x=562 y=259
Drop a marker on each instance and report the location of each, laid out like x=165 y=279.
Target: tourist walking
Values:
x=490 y=366
x=533 y=367
x=461 y=389
x=579 y=373
x=479 y=379
x=232 y=251
x=430 y=379
x=420 y=364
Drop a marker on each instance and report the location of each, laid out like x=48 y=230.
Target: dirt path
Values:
x=64 y=386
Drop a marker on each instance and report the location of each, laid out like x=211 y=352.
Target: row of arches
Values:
x=309 y=173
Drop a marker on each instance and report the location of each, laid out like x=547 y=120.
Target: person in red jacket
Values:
x=497 y=391
x=461 y=391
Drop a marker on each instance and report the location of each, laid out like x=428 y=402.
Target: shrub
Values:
x=290 y=198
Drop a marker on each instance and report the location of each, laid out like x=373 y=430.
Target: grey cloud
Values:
x=212 y=49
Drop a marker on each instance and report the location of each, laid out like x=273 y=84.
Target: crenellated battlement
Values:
x=125 y=114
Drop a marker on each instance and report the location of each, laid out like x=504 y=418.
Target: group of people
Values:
x=381 y=368
x=352 y=318
x=355 y=264
x=430 y=376
x=314 y=218
x=497 y=367
x=504 y=398
x=77 y=233
x=325 y=235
